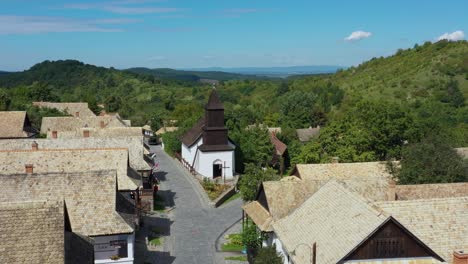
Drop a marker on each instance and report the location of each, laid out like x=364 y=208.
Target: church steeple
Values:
x=215 y=134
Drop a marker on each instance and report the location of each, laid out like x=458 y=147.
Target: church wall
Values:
x=206 y=160
x=188 y=154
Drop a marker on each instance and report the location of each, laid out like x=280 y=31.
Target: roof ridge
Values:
x=59 y=150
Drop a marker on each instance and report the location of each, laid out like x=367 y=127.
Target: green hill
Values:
x=163 y=73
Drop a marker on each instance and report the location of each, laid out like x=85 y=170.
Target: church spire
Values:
x=214 y=103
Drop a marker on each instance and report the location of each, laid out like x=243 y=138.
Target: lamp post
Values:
x=313 y=251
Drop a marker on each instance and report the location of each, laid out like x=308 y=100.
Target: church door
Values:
x=217 y=170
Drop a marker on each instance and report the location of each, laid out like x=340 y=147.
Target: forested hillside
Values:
x=369 y=112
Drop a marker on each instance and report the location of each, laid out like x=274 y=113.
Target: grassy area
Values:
x=159 y=204
x=232 y=198
x=234 y=244
x=214 y=190
x=156 y=241
x=238 y=258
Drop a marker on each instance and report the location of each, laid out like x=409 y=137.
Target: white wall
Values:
x=206 y=160
x=188 y=154
x=279 y=248
x=103 y=250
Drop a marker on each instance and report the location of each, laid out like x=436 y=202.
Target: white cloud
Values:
x=48 y=24
x=454 y=36
x=358 y=35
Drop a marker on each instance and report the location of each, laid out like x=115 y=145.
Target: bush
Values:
x=268 y=255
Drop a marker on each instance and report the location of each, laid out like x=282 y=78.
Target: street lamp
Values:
x=313 y=251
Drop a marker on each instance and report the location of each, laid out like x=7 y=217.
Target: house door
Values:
x=217 y=170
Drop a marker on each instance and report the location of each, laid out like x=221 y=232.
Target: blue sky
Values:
x=228 y=33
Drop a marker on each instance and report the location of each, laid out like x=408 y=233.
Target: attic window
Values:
x=54 y=134
x=29 y=168
x=77 y=114
x=86 y=133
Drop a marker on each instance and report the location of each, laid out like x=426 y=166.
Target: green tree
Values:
x=5 y=101
x=432 y=160
x=254 y=144
x=171 y=142
x=268 y=255
x=297 y=109
x=251 y=237
x=252 y=178
x=113 y=103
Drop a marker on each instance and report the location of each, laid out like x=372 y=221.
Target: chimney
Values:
x=77 y=114
x=34 y=145
x=460 y=257
x=54 y=134
x=103 y=125
x=85 y=133
x=29 y=168
x=391 y=192
x=335 y=160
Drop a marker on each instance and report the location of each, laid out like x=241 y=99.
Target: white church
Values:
x=206 y=146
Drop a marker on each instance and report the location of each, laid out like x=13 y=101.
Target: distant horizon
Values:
x=201 y=34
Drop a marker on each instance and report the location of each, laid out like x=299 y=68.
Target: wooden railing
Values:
x=186 y=164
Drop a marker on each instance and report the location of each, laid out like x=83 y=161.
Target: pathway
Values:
x=193 y=225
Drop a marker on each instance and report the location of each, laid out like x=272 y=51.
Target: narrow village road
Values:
x=194 y=225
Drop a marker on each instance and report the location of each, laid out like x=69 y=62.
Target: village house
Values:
x=338 y=225
x=306 y=134
x=56 y=125
x=276 y=199
x=206 y=148
x=63 y=217
x=74 y=109
x=16 y=124
x=279 y=159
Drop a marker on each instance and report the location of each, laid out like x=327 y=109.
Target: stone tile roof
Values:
x=192 y=136
x=89 y=198
x=69 y=160
x=70 y=108
x=306 y=134
x=164 y=130
x=442 y=224
x=133 y=144
x=334 y=218
x=428 y=191
x=110 y=132
x=68 y=123
x=13 y=124
x=31 y=232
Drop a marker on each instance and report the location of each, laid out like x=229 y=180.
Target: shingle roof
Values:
x=334 y=218
x=110 y=132
x=373 y=177
x=427 y=191
x=89 y=198
x=12 y=124
x=133 y=144
x=306 y=134
x=69 y=160
x=259 y=215
x=31 y=232
x=214 y=103
x=70 y=108
x=442 y=224
x=280 y=147
x=68 y=123
x=192 y=136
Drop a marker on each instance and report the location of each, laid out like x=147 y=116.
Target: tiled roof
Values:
x=12 y=124
x=110 y=132
x=31 y=232
x=164 y=130
x=89 y=198
x=68 y=123
x=442 y=224
x=259 y=215
x=191 y=136
x=280 y=147
x=306 y=134
x=334 y=218
x=69 y=160
x=427 y=191
x=372 y=182
x=133 y=144
x=70 y=108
